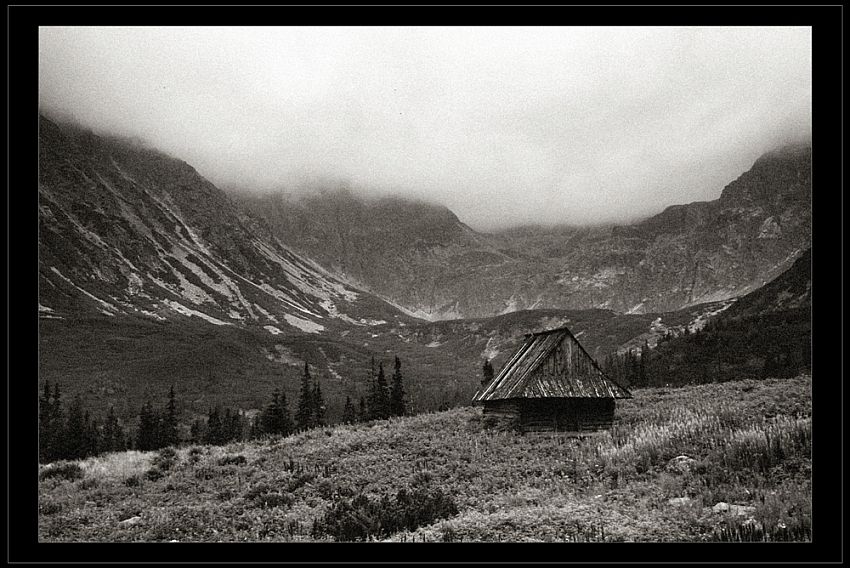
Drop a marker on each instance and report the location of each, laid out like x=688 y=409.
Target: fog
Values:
x=505 y=126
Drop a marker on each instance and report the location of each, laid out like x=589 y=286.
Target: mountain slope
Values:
x=766 y=333
x=124 y=229
x=424 y=259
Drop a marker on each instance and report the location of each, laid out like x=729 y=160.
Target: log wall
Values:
x=557 y=415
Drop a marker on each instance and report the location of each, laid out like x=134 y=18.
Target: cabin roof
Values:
x=523 y=376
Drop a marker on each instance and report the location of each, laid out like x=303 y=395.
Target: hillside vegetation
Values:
x=729 y=461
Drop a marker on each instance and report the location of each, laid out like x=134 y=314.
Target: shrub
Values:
x=232 y=460
x=133 y=481
x=165 y=459
x=49 y=508
x=361 y=518
x=66 y=471
x=264 y=496
x=154 y=473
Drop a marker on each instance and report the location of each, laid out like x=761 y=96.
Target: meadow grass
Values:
x=747 y=444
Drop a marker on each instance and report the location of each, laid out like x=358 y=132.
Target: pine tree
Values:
x=269 y=418
x=91 y=436
x=286 y=425
x=197 y=431
x=486 y=373
x=379 y=401
x=46 y=427
x=318 y=405
x=55 y=447
x=398 y=406
x=305 y=418
x=112 y=437
x=349 y=415
x=169 y=425
x=148 y=436
x=74 y=434
x=214 y=433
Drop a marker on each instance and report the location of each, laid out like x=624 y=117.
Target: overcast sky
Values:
x=505 y=126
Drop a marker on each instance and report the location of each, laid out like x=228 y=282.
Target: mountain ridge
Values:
x=687 y=254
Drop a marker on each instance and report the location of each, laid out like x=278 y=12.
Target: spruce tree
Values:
x=112 y=441
x=305 y=418
x=214 y=433
x=398 y=406
x=363 y=413
x=349 y=415
x=486 y=373
x=286 y=426
x=379 y=401
x=75 y=431
x=318 y=405
x=269 y=418
x=148 y=436
x=169 y=426
x=45 y=426
x=197 y=431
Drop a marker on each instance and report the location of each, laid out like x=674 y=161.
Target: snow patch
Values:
x=44 y=308
x=638 y=309
x=272 y=329
x=181 y=309
x=434 y=344
x=303 y=324
x=104 y=303
x=490 y=350
x=153 y=315
x=268 y=315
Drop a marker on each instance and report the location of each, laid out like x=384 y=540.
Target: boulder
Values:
x=679 y=501
x=129 y=522
x=741 y=510
x=680 y=464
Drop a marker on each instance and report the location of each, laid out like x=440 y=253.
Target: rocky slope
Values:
x=424 y=259
x=126 y=230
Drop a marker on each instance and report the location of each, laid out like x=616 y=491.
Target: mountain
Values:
x=150 y=276
x=124 y=229
x=415 y=254
x=766 y=333
x=424 y=259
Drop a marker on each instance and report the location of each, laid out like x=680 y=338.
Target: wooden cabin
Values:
x=550 y=384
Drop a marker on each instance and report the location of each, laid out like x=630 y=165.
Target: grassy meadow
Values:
x=723 y=461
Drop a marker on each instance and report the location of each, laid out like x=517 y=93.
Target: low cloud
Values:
x=505 y=126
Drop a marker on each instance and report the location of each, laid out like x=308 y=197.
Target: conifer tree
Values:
x=486 y=373
x=197 y=431
x=112 y=435
x=169 y=426
x=349 y=415
x=91 y=436
x=305 y=417
x=286 y=425
x=363 y=413
x=46 y=426
x=379 y=401
x=75 y=431
x=318 y=405
x=148 y=436
x=275 y=417
x=215 y=432
x=398 y=405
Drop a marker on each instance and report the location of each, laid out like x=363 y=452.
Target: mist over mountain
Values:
x=423 y=258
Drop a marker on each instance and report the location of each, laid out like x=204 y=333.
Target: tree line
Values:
x=79 y=435
x=756 y=346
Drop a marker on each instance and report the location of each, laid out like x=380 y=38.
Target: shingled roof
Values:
x=534 y=372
